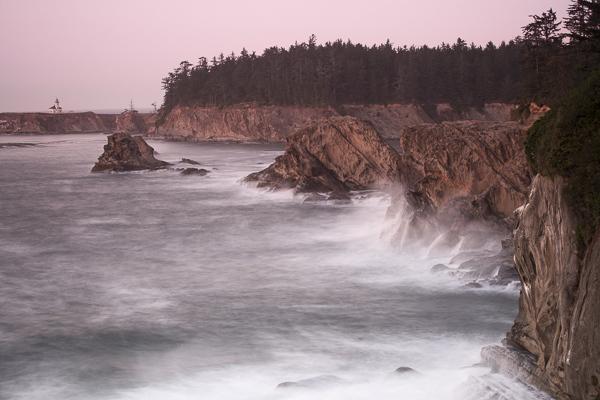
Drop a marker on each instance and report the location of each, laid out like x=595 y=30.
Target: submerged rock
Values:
x=189 y=161
x=405 y=371
x=439 y=268
x=312 y=383
x=335 y=155
x=194 y=171
x=473 y=285
x=127 y=153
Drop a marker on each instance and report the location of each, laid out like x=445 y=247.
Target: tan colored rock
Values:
x=559 y=307
x=127 y=153
x=242 y=123
x=336 y=154
x=252 y=122
x=482 y=162
x=43 y=123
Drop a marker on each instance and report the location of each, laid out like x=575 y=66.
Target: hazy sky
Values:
x=99 y=54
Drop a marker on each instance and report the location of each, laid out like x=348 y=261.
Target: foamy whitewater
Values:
x=154 y=285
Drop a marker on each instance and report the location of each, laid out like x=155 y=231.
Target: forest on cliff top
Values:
x=541 y=65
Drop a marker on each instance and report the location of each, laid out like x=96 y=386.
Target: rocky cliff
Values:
x=559 y=307
x=43 y=123
x=135 y=122
x=477 y=168
x=251 y=122
x=482 y=163
x=557 y=252
x=334 y=154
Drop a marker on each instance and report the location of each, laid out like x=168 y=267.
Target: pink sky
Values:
x=100 y=54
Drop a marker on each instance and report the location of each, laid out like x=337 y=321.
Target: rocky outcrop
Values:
x=336 y=154
x=560 y=300
x=477 y=166
x=135 y=122
x=42 y=123
x=251 y=122
x=127 y=153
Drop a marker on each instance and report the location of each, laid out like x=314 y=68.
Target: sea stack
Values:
x=125 y=152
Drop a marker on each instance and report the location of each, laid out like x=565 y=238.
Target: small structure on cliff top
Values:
x=56 y=108
x=131 y=109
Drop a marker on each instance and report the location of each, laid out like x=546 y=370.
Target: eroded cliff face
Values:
x=135 y=122
x=559 y=311
x=336 y=154
x=242 y=123
x=481 y=163
x=250 y=122
x=42 y=123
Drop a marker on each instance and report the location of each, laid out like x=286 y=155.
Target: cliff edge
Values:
x=557 y=251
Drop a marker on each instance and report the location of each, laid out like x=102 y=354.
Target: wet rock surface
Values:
x=194 y=171
x=312 y=383
x=405 y=371
x=127 y=153
x=189 y=161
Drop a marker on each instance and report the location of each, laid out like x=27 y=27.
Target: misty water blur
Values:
x=154 y=285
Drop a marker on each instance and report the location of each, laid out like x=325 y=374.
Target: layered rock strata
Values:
x=559 y=307
x=337 y=155
x=251 y=122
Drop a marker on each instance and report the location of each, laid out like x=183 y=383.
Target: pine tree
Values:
x=583 y=21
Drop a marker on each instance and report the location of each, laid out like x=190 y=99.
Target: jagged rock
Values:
x=560 y=299
x=482 y=164
x=127 y=153
x=473 y=285
x=516 y=363
x=336 y=155
x=194 y=171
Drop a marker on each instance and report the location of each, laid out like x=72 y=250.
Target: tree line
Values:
x=541 y=65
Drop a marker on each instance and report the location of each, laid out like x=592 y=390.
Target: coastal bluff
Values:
x=251 y=122
x=76 y=122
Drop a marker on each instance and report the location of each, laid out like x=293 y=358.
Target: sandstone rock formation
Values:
x=252 y=122
x=242 y=123
x=336 y=154
x=482 y=164
x=559 y=310
x=42 y=123
x=127 y=153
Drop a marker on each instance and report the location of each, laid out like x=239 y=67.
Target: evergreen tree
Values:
x=583 y=21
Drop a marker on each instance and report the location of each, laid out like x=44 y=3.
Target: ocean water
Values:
x=153 y=285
